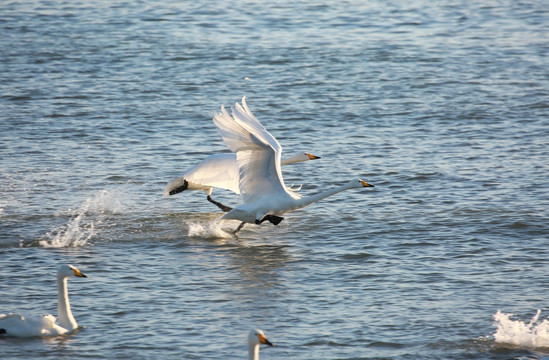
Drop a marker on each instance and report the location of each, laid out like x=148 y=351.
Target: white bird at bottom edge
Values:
x=28 y=326
x=256 y=337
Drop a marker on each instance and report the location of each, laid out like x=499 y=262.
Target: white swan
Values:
x=23 y=326
x=255 y=338
x=258 y=156
x=219 y=170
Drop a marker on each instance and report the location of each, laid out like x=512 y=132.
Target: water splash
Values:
x=81 y=227
x=208 y=230
x=534 y=334
x=76 y=233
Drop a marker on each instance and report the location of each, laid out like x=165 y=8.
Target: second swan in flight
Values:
x=221 y=171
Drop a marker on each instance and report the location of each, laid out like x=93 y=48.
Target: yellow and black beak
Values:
x=365 y=184
x=312 y=157
x=263 y=340
x=78 y=273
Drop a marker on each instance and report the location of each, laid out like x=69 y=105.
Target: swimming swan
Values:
x=258 y=155
x=219 y=170
x=255 y=338
x=23 y=326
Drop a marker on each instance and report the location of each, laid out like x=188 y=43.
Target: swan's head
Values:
x=358 y=183
x=364 y=183
x=311 y=156
x=257 y=337
x=67 y=270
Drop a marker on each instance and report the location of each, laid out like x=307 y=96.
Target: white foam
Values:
x=76 y=232
x=208 y=230
x=104 y=202
x=81 y=227
x=534 y=334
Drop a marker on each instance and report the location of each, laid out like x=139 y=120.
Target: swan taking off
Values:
x=258 y=155
x=23 y=326
x=219 y=170
x=255 y=338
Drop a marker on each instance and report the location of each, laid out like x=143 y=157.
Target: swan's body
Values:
x=221 y=171
x=258 y=156
x=255 y=338
x=23 y=326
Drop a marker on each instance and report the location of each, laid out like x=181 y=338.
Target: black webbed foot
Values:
x=273 y=219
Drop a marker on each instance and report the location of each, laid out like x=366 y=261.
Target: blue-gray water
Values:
x=442 y=105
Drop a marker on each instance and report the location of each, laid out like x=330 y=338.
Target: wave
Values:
x=534 y=334
x=81 y=226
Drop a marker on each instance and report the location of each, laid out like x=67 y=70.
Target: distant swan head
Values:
x=364 y=183
x=257 y=337
x=68 y=270
x=312 y=157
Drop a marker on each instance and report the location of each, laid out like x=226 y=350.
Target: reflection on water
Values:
x=259 y=265
x=60 y=343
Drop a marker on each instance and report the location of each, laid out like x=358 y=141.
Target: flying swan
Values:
x=219 y=170
x=255 y=338
x=23 y=326
x=261 y=185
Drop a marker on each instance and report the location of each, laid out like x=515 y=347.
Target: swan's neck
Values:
x=301 y=203
x=292 y=160
x=253 y=351
x=64 y=313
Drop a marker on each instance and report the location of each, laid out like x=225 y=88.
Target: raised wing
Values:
x=258 y=153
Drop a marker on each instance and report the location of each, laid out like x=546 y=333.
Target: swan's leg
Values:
x=218 y=204
x=239 y=227
x=179 y=189
x=273 y=219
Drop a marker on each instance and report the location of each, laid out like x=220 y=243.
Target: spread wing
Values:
x=258 y=153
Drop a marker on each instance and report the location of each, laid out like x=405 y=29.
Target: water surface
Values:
x=442 y=105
